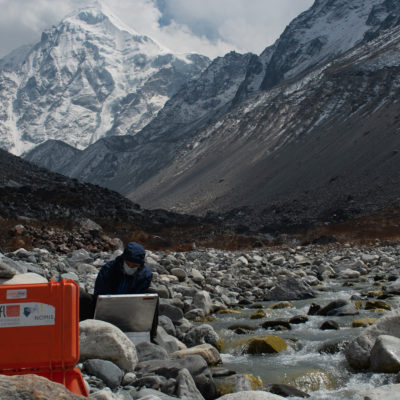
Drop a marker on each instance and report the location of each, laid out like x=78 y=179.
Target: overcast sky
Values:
x=209 y=27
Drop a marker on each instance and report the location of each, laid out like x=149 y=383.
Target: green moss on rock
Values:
x=260 y=313
x=266 y=344
x=313 y=380
x=377 y=304
x=281 y=305
x=363 y=322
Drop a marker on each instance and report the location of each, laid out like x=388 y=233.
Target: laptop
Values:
x=132 y=313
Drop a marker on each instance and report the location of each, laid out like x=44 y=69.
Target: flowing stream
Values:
x=330 y=377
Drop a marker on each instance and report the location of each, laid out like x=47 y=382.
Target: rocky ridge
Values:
x=310 y=129
x=51 y=210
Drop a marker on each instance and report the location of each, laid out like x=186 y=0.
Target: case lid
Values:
x=39 y=325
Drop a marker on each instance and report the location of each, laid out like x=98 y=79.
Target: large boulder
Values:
x=99 y=339
x=312 y=380
x=168 y=342
x=167 y=324
x=172 y=312
x=150 y=351
x=179 y=273
x=287 y=391
x=27 y=278
x=290 y=288
x=329 y=324
x=6 y=271
x=207 y=351
x=358 y=351
x=267 y=344
x=186 y=387
x=203 y=301
x=338 y=308
x=201 y=334
x=197 y=276
x=385 y=355
x=33 y=387
x=106 y=370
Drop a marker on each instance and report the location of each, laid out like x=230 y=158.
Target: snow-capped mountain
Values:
x=320 y=147
x=298 y=125
x=326 y=30
x=112 y=160
x=89 y=77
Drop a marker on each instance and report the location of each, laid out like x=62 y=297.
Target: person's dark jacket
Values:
x=113 y=280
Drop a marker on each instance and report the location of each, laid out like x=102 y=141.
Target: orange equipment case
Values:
x=39 y=332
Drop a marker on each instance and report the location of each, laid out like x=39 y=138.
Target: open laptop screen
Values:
x=129 y=312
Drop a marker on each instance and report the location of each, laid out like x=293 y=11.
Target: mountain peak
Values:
x=99 y=18
x=96 y=14
x=327 y=29
x=90 y=76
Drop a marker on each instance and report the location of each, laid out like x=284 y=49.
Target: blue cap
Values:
x=134 y=252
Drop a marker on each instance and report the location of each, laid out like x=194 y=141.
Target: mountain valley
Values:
x=303 y=136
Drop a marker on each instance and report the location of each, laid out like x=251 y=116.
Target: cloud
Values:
x=22 y=21
x=178 y=36
x=210 y=27
x=246 y=25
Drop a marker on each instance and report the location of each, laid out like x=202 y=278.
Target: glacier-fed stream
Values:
x=303 y=365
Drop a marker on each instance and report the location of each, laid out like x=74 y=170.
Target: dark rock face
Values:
x=290 y=288
x=298 y=319
x=277 y=325
x=107 y=371
x=148 y=351
x=42 y=209
x=338 y=308
x=287 y=391
x=50 y=154
x=330 y=324
x=332 y=347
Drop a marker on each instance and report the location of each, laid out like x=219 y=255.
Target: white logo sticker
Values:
x=26 y=314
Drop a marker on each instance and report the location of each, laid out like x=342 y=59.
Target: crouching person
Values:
x=126 y=274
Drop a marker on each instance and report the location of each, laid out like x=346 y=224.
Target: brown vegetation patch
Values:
x=383 y=226
x=64 y=235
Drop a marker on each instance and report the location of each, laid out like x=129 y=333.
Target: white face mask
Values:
x=129 y=270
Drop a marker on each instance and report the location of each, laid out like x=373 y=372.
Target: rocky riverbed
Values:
x=232 y=321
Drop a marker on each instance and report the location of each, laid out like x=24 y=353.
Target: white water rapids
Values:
x=303 y=356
